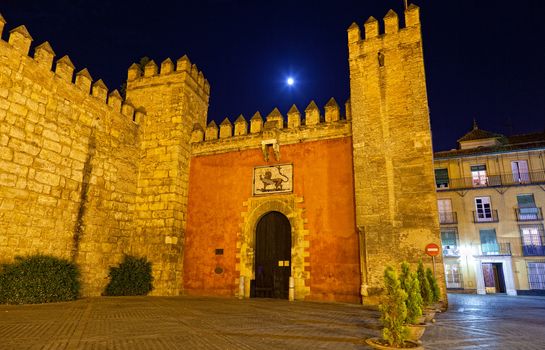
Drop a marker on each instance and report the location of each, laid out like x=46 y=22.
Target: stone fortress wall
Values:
x=67 y=161
x=88 y=176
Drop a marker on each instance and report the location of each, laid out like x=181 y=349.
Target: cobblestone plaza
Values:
x=472 y=322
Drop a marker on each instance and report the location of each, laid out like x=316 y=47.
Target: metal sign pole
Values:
x=433 y=261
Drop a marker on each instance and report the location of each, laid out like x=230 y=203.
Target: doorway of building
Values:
x=272 y=256
x=494 y=280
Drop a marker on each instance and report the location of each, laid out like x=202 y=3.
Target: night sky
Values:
x=484 y=59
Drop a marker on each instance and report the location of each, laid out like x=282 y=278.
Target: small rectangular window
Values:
x=453 y=275
x=441 y=178
x=536 y=275
x=527 y=210
x=520 y=171
x=449 y=241
x=533 y=242
x=483 y=209
x=219 y=251
x=526 y=201
x=489 y=244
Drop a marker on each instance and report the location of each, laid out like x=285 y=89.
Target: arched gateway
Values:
x=272 y=256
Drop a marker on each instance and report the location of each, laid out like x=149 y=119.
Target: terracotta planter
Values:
x=416 y=331
x=378 y=343
x=421 y=319
x=429 y=314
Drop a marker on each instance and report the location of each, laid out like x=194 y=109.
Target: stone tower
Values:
x=173 y=99
x=396 y=205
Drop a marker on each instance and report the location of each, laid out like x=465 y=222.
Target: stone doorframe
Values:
x=256 y=207
x=507 y=273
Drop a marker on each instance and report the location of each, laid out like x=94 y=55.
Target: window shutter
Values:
x=448 y=238
x=488 y=241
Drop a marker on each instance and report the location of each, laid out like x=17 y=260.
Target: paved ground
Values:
x=473 y=322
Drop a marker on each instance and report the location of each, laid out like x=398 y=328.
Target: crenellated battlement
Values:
x=392 y=33
x=182 y=71
x=297 y=127
x=20 y=42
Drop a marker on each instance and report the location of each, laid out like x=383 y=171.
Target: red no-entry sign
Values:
x=432 y=249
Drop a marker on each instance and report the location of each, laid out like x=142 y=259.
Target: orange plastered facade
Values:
x=220 y=184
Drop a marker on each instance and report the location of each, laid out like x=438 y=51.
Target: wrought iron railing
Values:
x=533 y=250
x=485 y=216
x=451 y=250
x=505 y=179
x=528 y=214
x=454 y=279
x=495 y=249
x=448 y=217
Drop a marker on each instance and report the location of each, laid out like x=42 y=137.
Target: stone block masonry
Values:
x=67 y=163
x=174 y=100
x=396 y=204
x=86 y=176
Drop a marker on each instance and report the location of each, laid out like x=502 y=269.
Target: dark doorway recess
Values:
x=493 y=276
x=272 y=256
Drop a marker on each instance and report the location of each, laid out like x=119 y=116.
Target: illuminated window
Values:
x=478 y=175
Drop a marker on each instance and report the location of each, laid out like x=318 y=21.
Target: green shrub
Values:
x=435 y=291
x=393 y=310
x=409 y=283
x=425 y=288
x=131 y=277
x=38 y=279
x=405 y=276
x=414 y=300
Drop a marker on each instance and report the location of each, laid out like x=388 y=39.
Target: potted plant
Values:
x=425 y=291
x=393 y=315
x=435 y=295
x=415 y=321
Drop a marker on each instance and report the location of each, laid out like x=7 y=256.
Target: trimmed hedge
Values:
x=38 y=279
x=132 y=277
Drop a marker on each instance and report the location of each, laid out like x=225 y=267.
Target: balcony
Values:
x=451 y=250
x=488 y=249
x=446 y=218
x=504 y=179
x=529 y=214
x=485 y=216
x=533 y=250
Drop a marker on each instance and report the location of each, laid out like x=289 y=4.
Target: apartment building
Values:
x=491 y=191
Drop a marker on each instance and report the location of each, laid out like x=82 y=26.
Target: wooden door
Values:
x=272 y=256
x=489 y=278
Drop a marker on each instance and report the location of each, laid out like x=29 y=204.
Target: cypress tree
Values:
x=425 y=288
x=435 y=291
x=393 y=310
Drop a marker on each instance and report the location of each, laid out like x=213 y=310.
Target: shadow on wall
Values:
x=87 y=170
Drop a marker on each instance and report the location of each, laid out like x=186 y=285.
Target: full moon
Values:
x=290 y=81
